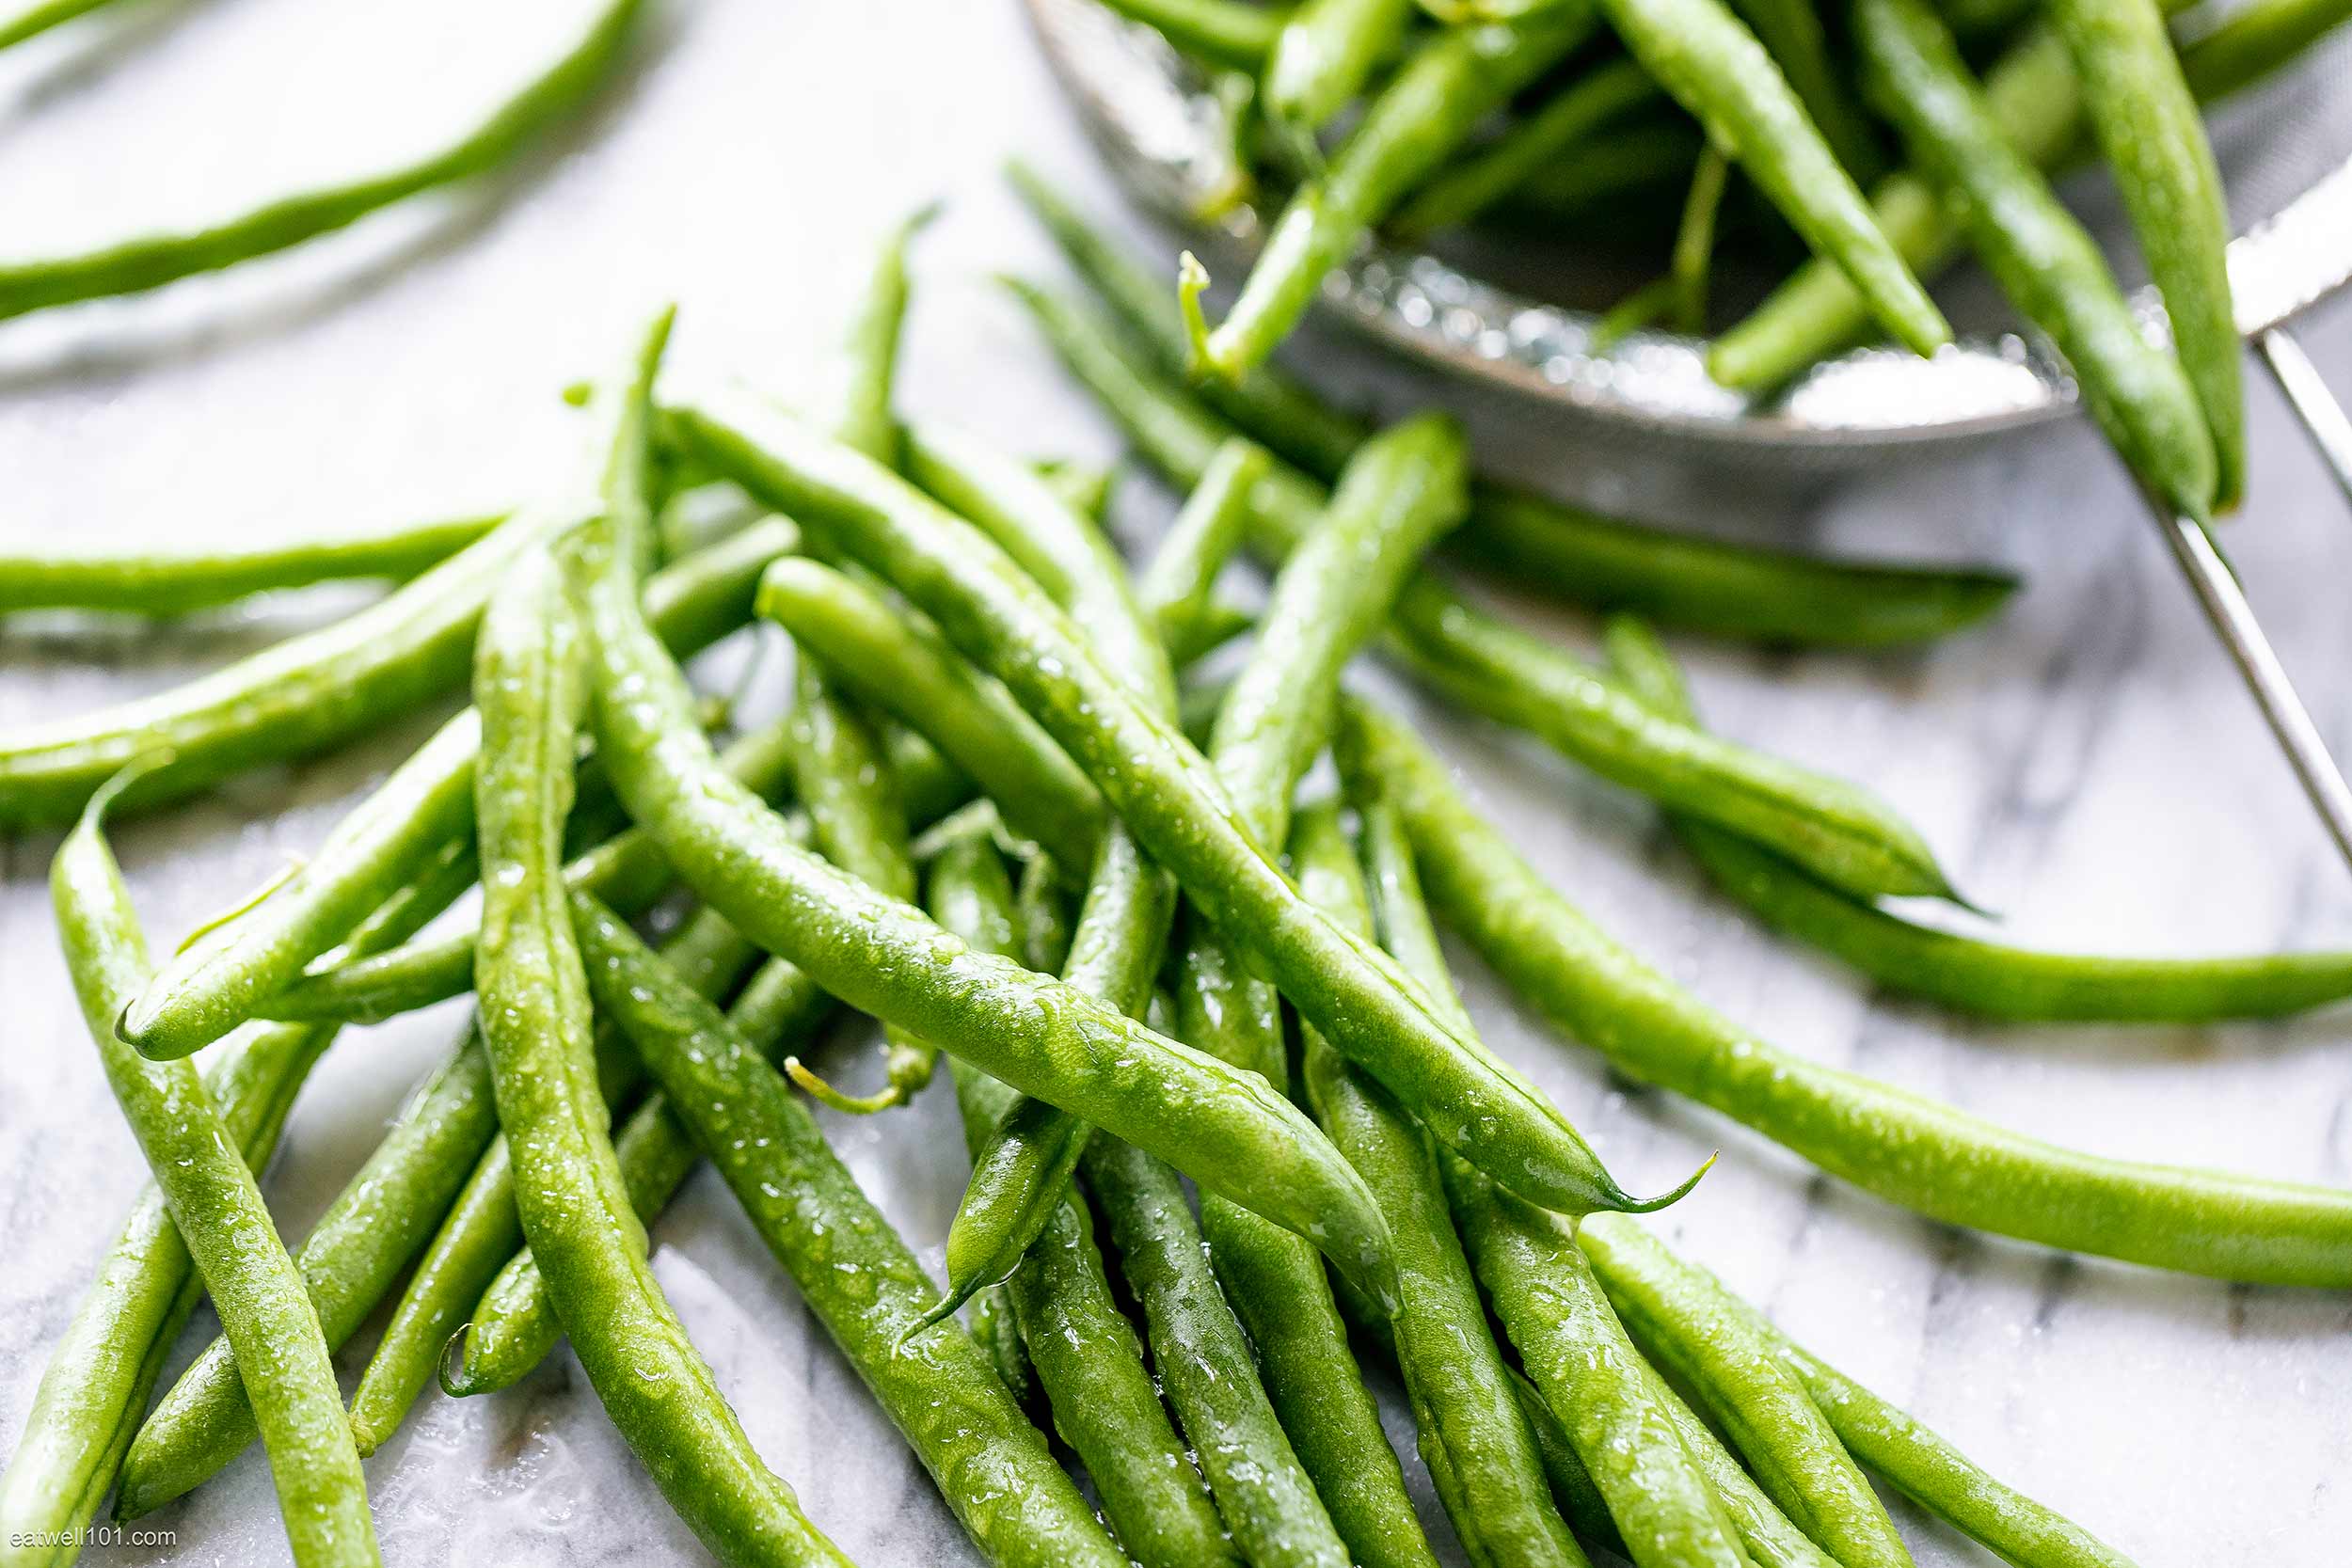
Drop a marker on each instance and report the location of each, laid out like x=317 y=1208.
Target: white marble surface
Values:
x=2088 y=763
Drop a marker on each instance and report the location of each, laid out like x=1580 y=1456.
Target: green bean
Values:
x=1834 y=828
x=2253 y=41
x=44 y=14
x=1177 y=588
x=899 y=663
x=1445 y=87
x=1472 y=1433
x=2045 y=261
x=1084 y=1350
x=1042 y=902
x=2145 y=121
x=1792 y=33
x=1695 y=241
x=1962 y=972
x=858 y=408
x=1940 y=1479
x=1772 y=1540
x=514 y=1324
x=861 y=1280
x=1203 y=1362
x=180 y=583
x=860 y=828
x=137 y=264
x=1713 y=67
x=1228 y=1132
x=1572 y=1486
x=1624 y=172
x=1905 y=1148
x=1161 y=788
x=351 y=1256
x=1720 y=587
x=1543 y=140
x=703 y=599
x=218 y=1211
x=1758 y=1403
x=1085 y=488
x=1324 y=56
x=1219 y=32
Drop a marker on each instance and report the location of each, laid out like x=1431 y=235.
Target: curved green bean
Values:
x=2049 y=267
x=1219 y=32
x=38 y=18
x=1716 y=586
x=861 y=1280
x=2253 y=41
x=1228 y=1132
x=2145 y=120
x=1962 y=972
x=1471 y=186
x=1713 y=67
x=153 y=261
x=1905 y=1148
x=1759 y=1404
x=1444 y=89
x=180 y=583
x=1324 y=53
x=1085 y=1351
x=1162 y=790
x=218 y=1211
x=1473 y=1435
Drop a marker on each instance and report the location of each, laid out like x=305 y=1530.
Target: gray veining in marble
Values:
x=2087 y=765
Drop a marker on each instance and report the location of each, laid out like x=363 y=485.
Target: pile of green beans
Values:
x=1468 y=113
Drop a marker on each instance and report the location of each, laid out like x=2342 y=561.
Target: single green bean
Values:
x=38 y=18
x=1714 y=68
x=1905 y=1148
x=1756 y=1401
x=1791 y=32
x=1177 y=590
x=1085 y=1351
x=1445 y=87
x=1228 y=1132
x=1161 y=788
x=899 y=663
x=218 y=1211
x=180 y=583
x=2049 y=267
x=705 y=598
x=514 y=1324
x=2144 y=119
x=1962 y=972
x=1713 y=586
x=153 y=261
x=1695 y=241
x=857 y=408
x=1218 y=32
x=1541 y=140
x=861 y=1280
x=1324 y=53
x=2253 y=41
x=1472 y=1432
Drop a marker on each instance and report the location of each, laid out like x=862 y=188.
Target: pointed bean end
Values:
x=1651 y=1206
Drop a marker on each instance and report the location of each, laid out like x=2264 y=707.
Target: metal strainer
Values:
x=2286 y=151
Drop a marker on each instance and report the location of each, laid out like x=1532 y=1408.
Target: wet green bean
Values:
x=1178 y=587
x=1324 y=53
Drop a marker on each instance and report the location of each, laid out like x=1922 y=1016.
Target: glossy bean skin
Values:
x=1324 y=56
x=1772 y=1540
x=224 y=978
x=1469 y=187
x=1161 y=787
x=1905 y=1148
x=862 y=1281
x=153 y=261
x=878 y=955
x=1837 y=829
x=1084 y=1350
x=626 y=871
x=1221 y=32
x=218 y=1211
x=1445 y=87
x=1989 y=979
x=1472 y=1432
x=1758 y=1403
x=2045 y=262
x=900 y=664
x=164 y=584
x=1719 y=587
x=2145 y=121
x=1178 y=587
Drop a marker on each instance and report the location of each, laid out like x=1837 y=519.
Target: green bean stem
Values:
x=2044 y=261
x=1445 y=87
x=1731 y=590
x=2145 y=120
x=150 y=261
x=1905 y=1148
x=218 y=1211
